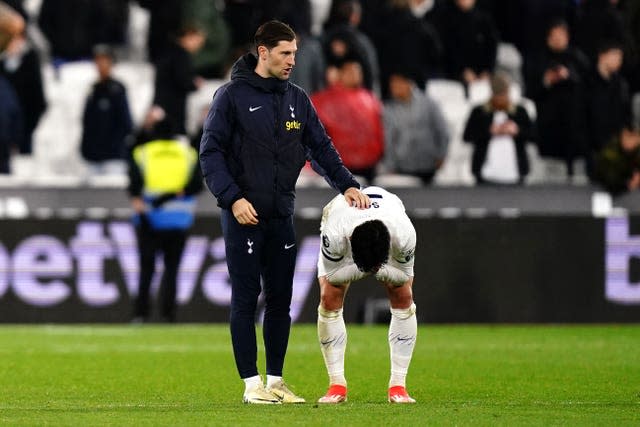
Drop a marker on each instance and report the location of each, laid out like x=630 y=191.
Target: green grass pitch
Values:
x=185 y=375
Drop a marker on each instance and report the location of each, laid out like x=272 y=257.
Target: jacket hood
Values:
x=244 y=69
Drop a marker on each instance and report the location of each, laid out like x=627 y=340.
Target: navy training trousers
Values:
x=265 y=251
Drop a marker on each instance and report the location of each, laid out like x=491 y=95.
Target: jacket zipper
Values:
x=276 y=102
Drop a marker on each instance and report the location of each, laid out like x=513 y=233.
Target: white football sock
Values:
x=272 y=379
x=403 y=330
x=332 y=334
x=251 y=382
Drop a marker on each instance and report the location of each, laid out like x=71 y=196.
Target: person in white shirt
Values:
x=378 y=241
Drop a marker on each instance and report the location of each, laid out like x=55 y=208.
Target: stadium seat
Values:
x=198 y=102
x=443 y=90
x=479 y=91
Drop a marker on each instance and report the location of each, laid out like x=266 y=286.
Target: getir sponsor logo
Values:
x=44 y=271
x=292 y=125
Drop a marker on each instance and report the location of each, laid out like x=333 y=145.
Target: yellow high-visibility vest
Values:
x=166 y=165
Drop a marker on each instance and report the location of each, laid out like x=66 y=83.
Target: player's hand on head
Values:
x=357 y=198
x=244 y=212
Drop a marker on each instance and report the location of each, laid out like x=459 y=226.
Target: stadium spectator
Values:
x=603 y=21
x=20 y=64
x=115 y=22
x=11 y=24
x=428 y=10
x=342 y=39
x=73 y=27
x=163 y=179
x=617 y=164
x=608 y=99
x=10 y=124
x=352 y=116
x=252 y=152
x=106 y=121
x=631 y=14
x=311 y=65
x=499 y=131
x=402 y=38
x=211 y=60
x=242 y=17
x=377 y=242
x=598 y=21
x=416 y=132
x=176 y=76
x=555 y=80
x=470 y=41
x=523 y=23
x=165 y=19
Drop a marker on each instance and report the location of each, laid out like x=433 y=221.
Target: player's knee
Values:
x=400 y=297
x=403 y=313
x=329 y=314
x=331 y=301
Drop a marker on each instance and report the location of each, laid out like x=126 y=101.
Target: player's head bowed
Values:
x=370 y=243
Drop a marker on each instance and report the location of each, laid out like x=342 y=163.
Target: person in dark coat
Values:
x=165 y=19
x=470 y=41
x=10 y=123
x=176 y=76
x=20 y=64
x=598 y=21
x=499 y=121
x=106 y=120
x=608 y=101
x=402 y=38
x=72 y=27
x=555 y=80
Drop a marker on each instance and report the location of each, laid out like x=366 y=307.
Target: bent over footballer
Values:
x=378 y=241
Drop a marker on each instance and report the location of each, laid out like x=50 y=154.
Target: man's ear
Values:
x=262 y=52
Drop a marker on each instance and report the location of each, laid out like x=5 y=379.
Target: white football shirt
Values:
x=338 y=222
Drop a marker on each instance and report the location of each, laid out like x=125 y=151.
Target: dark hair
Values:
x=607 y=45
x=341 y=11
x=556 y=22
x=103 y=50
x=370 y=244
x=340 y=61
x=271 y=33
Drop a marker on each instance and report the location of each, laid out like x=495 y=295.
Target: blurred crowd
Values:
x=372 y=69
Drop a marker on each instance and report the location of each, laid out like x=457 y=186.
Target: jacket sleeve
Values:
x=477 y=127
x=214 y=149
x=136 y=181
x=323 y=153
x=523 y=121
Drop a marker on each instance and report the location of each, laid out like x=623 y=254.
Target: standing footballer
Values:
x=356 y=243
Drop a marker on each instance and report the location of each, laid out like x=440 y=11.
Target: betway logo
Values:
x=622 y=249
x=42 y=270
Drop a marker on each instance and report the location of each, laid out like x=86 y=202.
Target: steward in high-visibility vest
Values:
x=164 y=178
x=167 y=179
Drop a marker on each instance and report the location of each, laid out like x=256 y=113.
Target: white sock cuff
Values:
x=329 y=314
x=272 y=379
x=403 y=313
x=252 y=381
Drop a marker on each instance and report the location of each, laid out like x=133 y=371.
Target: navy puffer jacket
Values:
x=256 y=138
